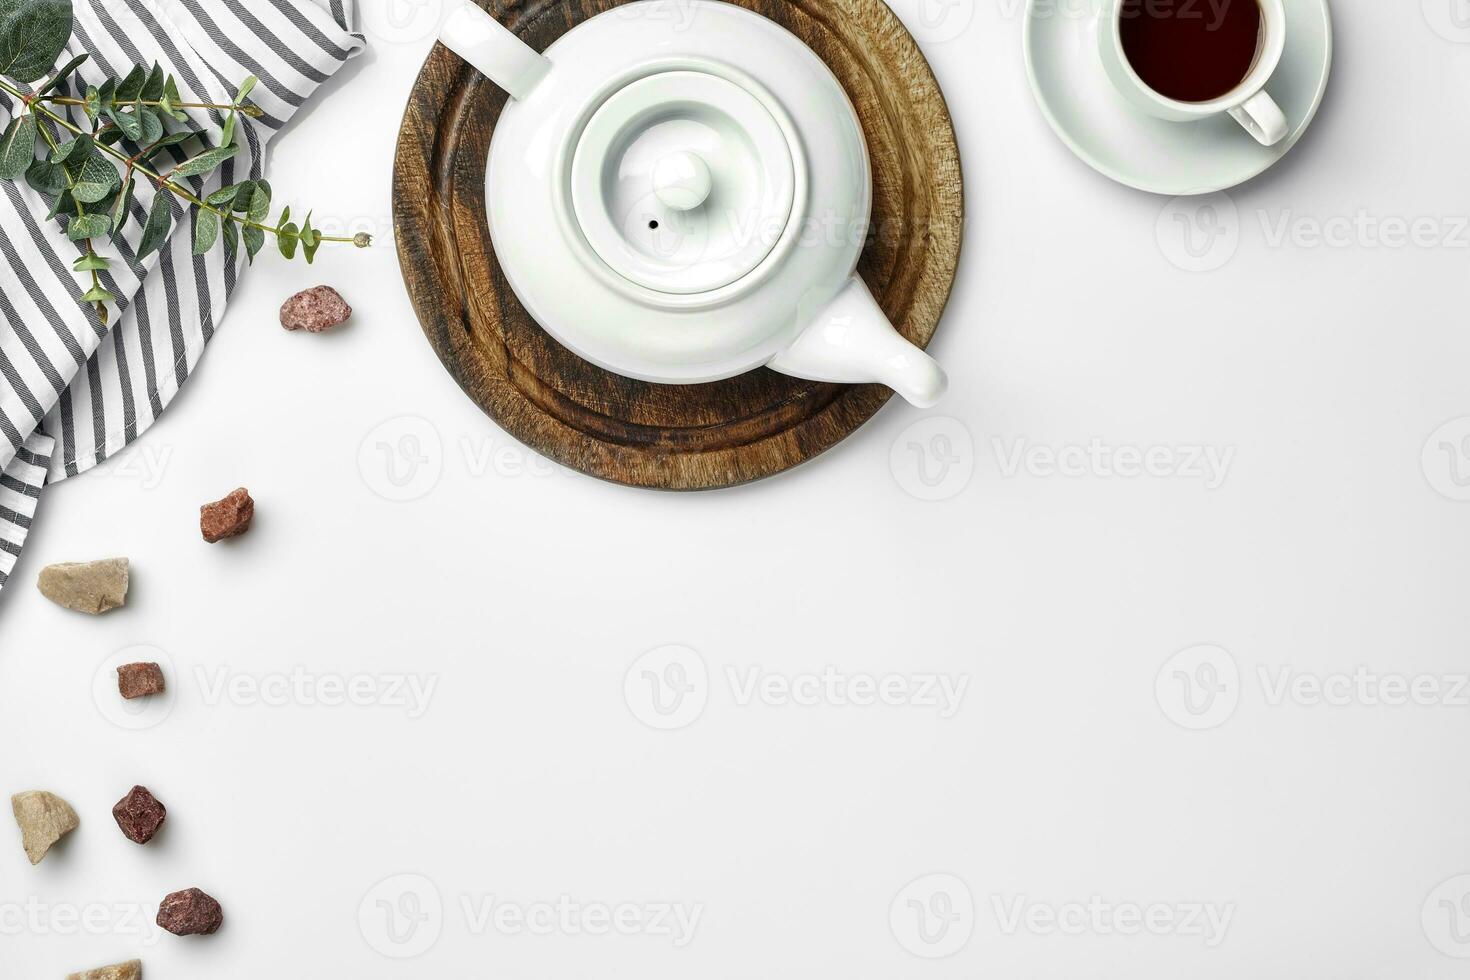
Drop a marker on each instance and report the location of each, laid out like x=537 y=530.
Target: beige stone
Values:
x=86 y=586
x=44 y=819
x=131 y=970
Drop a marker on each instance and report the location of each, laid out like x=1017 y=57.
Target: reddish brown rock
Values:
x=140 y=680
x=314 y=310
x=190 y=913
x=139 y=815
x=227 y=517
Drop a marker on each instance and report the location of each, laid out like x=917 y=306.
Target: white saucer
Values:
x=1060 y=41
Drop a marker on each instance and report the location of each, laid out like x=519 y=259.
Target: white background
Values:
x=1073 y=770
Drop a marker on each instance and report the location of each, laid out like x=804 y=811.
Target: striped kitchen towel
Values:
x=74 y=390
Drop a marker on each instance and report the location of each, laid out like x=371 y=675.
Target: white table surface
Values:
x=1063 y=799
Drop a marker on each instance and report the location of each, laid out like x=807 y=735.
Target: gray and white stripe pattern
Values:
x=73 y=391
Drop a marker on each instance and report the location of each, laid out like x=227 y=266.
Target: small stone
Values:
x=190 y=913
x=86 y=586
x=139 y=815
x=140 y=680
x=131 y=970
x=44 y=819
x=227 y=517
x=314 y=310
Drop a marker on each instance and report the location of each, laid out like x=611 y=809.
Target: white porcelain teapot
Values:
x=679 y=192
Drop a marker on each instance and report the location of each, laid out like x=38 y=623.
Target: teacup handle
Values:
x=502 y=57
x=1262 y=118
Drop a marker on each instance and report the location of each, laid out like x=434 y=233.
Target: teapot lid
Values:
x=683 y=181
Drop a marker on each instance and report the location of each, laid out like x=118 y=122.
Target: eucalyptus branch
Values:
x=131 y=124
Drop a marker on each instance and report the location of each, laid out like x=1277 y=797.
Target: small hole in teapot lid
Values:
x=653 y=224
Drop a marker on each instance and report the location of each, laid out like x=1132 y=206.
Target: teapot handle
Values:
x=502 y=57
x=851 y=341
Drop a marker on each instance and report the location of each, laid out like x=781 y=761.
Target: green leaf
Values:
x=204 y=162
x=232 y=241
x=226 y=195
x=109 y=136
x=92 y=103
x=160 y=220
x=87 y=226
x=61 y=204
x=47 y=177
x=32 y=36
x=97 y=295
x=76 y=149
x=130 y=87
x=227 y=132
x=131 y=123
x=171 y=139
x=245 y=88
x=168 y=104
x=18 y=145
x=153 y=86
x=108 y=90
x=260 y=202
x=311 y=239
x=95 y=179
x=90 y=262
x=120 y=206
x=206 y=229
x=254 y=241
x=287 y=234
x=243 y=198
x=60 y=77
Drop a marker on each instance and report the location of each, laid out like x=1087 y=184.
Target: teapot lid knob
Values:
x=681 y=180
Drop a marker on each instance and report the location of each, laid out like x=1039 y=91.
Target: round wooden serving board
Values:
x=675 y=437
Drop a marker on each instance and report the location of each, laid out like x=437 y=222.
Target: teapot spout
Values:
x=851 y=341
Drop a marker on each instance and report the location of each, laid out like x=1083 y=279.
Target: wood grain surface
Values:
x=675 y=437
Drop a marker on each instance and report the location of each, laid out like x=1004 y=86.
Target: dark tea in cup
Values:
x=1191 y=50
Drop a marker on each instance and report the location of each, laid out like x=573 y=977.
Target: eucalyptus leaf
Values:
x=47 y=177
x=61 y=76
x=119 y=213
x=97 y=295
x=76 y=149
x=107 y=92
x=169 y=103
x=131 y=123
x=32 y=36
x=152 y=126
x=90 y=262
x=206 y=229
x=95 y=179
x=170 y=139
x=260 y=202
x=245 y=88
x=226 y=195
x=227 y=132
x=109 y=136
x=287 y=238
x=160 y=220
x=130 y=87
x=18 y=145
x=311 y=239
x=243 y=197
x=153 y=86
x=232 y=241
x=254 y=241
x=61 y=204
x=204 y=162
x=92 y=103
x=87 y=226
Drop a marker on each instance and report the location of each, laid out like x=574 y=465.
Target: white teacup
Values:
x=1248 y=103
